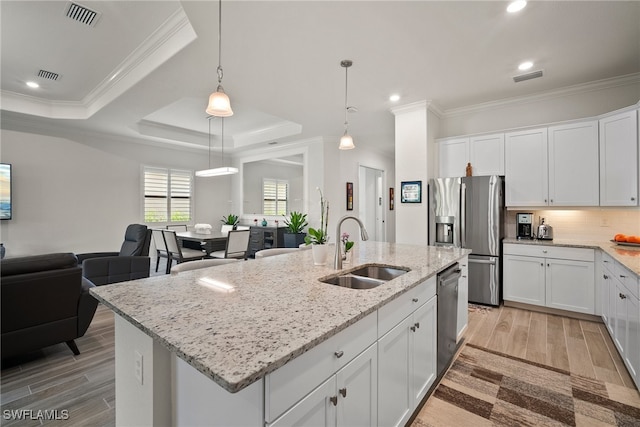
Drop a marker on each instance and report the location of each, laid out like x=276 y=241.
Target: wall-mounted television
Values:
x=5 y=191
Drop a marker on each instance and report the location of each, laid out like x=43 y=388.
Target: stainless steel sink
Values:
x=365 y=277
x=379 y=272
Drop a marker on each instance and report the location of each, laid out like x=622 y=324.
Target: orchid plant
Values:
x=346 y=244
x=319 y=236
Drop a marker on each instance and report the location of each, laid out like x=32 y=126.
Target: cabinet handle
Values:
x=541 y=265
x=545 y=200
x=633 y=199
x=544 y=251
x=622 y=296
x=413 y=328
x=417 y=325
x=343 y=392
x=414 y=299
x=464 y=277
x=548 y=265
x=605 y=276
x=623 y=276
x=339 y=354
x=551 y=200
x=334 y=400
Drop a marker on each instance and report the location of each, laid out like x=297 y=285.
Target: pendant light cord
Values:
x=222 y=139
x=346 y=90
x=209 y=119
x=219 y=70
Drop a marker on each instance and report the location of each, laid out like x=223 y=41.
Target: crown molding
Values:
x=418 y=106
x=170 y=38
x=625 y=80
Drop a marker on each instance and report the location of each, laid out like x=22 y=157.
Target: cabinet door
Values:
x=424 y=353
x=632 y=357
x=526 y=172
x=358 y=390
x=573 y=164
x=620 y=324
x=463 y=299
x=570 y=285
x=454 y=156
x=524 y=279
x=316 y=409
x=394 y=376
x=486 y=154
x=606 y=282
x=619 y=160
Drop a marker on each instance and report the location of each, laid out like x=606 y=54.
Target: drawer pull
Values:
x=623 y=276
x=544 y=251
x=622 y=296
x=343 y=392
x=413 y=328
x=339 y=354
x=417 y=325
x=605 y=276
x=334 y=400
x=414 y=299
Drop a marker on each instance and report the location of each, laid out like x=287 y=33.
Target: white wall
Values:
x=79 y=197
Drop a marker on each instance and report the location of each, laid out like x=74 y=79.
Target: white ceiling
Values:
x=144 y=71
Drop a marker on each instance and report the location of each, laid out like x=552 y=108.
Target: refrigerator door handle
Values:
x=463 y=215
x=483 y=261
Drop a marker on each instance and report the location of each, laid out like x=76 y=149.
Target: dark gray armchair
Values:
x=45 y=301
x=132 y=262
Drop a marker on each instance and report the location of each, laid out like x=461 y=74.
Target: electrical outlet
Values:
x=604 y=222
x=137 y=366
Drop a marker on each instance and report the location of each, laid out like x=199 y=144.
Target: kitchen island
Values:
x=179 y=342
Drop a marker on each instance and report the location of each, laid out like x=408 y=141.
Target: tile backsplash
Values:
x=582 y=224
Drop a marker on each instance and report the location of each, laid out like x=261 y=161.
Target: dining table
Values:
x=213 y=241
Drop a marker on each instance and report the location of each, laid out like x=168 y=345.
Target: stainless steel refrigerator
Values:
x=469 y=212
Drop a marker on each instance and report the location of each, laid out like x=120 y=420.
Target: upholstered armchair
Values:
x=45 y=301
x=132 y=262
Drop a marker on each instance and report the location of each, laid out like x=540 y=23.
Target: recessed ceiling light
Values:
x=394 y=98
x=525 y=65
x=516 y=6
x=33 y=85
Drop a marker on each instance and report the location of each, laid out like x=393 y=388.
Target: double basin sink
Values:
x=366 y=277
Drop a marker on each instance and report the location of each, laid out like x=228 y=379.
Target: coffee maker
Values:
x=524 y=226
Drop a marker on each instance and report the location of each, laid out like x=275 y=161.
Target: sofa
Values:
x=45 y=300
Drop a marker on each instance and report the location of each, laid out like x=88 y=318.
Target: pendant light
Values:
x=224 y=170
x=219 y=104
x=346 y=142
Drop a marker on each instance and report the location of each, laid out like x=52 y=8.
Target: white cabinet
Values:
x=526 y=170
x=454 y=156
x=463 y=298
x=486 y=154
x=619 y=159
x=407 y=364
x=557 y=277
x=347 y=398
x=573 y=164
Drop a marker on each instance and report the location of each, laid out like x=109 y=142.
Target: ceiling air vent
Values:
x=528 y=76
x=48 y=75
x=82 y=14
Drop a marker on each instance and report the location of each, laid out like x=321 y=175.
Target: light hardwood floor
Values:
x=84 y=385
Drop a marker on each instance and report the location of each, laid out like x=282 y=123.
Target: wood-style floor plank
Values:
x=557 y=353
x=519 y=335
x=579 y=359
x=537 y=342
x=500 y=335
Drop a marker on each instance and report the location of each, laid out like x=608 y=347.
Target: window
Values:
x=167 y=195
x=274 y=196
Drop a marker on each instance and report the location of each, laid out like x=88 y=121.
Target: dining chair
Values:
x=202 y=263
x=177 y=252
x=237 y=245
x=178 y=227
x=242 y=227
x=161 y=246
x=274 y=251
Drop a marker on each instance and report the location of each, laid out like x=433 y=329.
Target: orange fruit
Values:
x=633 y=239
x=620 y=237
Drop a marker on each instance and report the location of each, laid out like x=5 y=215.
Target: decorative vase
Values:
x=320 y=253
x=346 y=257
x=264 y=222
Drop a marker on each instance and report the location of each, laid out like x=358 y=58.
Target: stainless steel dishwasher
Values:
x=447 y=292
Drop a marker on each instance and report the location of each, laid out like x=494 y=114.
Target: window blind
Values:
x=167 y=195
x=274 y=196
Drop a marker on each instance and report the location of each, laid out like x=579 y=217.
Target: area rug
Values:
x=479 y=308
x=486 y=388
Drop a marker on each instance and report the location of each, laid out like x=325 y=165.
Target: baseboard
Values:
x=549 y=310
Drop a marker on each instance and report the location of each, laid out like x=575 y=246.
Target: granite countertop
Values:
x=629 y=256
x=278 y=311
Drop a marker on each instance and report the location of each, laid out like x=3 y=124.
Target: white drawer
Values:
x=628 y=279
x=395 y=311
x=288 y=384
x=608 y=263
x=558 y=252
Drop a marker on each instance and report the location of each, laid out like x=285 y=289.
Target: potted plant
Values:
x=294 y=236
x=229 y=222
x=318 y=237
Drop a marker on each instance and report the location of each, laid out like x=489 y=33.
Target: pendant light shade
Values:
x=219 y=104
x=224 y=170
x=346 y=142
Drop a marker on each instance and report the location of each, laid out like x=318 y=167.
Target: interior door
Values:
x=371 y=202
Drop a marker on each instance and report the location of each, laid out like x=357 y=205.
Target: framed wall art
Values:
x=411 y=191
x=391 y=198
x=349 y=196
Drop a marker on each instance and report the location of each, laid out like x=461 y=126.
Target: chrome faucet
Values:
x=337 y=259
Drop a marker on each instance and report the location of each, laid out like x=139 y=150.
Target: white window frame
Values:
x=278 y=201
x=167 y=217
